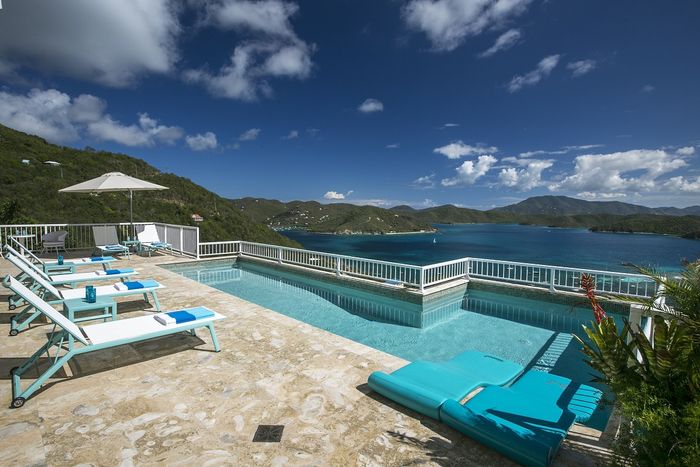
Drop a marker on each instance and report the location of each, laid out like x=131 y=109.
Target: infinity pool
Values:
x=537 y=334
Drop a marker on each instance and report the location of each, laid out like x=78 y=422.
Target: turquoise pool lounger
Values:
x=68 y=339
x=526 y=420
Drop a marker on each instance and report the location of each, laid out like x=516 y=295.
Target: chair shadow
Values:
x=107 y=359
x=439 y=449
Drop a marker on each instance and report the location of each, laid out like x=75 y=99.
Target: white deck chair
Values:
x=69 y=265
x=150 y=240
x=54 y=296
x=107 y=241
x=75 y=340
x=72 y=279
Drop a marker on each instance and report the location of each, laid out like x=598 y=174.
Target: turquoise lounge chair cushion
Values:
x=516 y=425
x=425 y=386
x=580 y=399
x=111 y=272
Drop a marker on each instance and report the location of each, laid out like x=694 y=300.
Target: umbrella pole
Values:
x=131 y=213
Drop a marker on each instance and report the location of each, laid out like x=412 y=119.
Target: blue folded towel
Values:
x=149 y=283
x=190 y=314
x=133 y=285
x=110 y=272
x=100 y=258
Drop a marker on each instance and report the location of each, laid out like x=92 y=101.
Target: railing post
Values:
x=337 y=265
x=182 y=245
x=422 y=279
x=279 y=255
x=551 y=280
x=197 y=241
x=467 y=263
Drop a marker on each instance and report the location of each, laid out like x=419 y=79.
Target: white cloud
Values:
x=460 y=149
x=53 y=115
x=636 y=170
x=563 y=150
x=543 y=69
x=581 y=67
x=447 y=23
x=371 y=105
x=202 y=142
x=648 y=88
x=593 y=195
x=469 y=172
x=393 y=146
x=526 y=176
x=504 y=42
x=109 y=42
x=682 y=184
x=250 y=135
x=146 y=133
x=425 y=182
x=334 y=195
x=294 y=134
x=272 y=51
x=449 y=125
x=686 y=151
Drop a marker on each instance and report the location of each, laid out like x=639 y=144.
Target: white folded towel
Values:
x=121 y=287
x=164 y=319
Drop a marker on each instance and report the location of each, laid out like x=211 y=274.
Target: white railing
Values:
x=183 y=238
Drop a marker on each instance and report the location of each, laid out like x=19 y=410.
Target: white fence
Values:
x=552 y=278
x=184 y=239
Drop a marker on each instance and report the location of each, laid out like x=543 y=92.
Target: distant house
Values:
x=25 y=161
x=197 y=218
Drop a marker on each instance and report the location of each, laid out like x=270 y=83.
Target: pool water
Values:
x=534 y=333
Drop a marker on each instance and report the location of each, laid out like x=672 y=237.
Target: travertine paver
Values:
x=175 y=401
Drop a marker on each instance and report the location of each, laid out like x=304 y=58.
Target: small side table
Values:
x=135 y=244
x=106 y=305
x=67 y=267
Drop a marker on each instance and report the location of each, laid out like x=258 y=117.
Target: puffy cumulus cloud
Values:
x=333 y=195
x=459 y=149
x=56 y=116
x=541 y=71
x=525 y=175
x=370 y=105
x=271 y=49
x=202 y=142
x=681 y=184
x=425 y=182
x=637 y=170
x=686 y=151
x=504 y=42
x=147 y=132
x=294 y=134
x=581 y=67
x=250 y=135
x=447 y=23
x=470 y=171
x=111 y=42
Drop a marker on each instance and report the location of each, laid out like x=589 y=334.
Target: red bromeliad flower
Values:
x=588 y=285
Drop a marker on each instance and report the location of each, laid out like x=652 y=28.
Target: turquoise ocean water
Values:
x=531 y=244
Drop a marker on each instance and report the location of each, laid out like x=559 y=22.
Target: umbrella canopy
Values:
x=114 y=181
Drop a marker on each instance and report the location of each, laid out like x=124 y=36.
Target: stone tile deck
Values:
x=174 y=401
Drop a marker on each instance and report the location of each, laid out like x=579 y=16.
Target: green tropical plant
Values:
x=656 y=379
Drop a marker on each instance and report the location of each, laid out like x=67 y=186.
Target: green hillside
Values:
x=29 y=192
x=329 y=218
x=567 y=206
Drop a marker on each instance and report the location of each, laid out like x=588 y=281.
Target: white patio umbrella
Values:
x=115 y=181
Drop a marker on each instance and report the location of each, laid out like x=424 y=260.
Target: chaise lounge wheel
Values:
x=13 y=306
x=18 y=402
x=14 y=332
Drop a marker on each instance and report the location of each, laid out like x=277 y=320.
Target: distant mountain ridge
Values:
x=566 y=206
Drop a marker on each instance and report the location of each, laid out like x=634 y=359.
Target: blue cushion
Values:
x=580 y=399
x=516 y=425
x=133 y=285
x=149 y=283
x=425 y=386
x=110 y=272
x=101 y=258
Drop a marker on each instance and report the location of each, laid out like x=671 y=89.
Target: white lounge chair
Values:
x=150 y=241
x=54 y=296
x=76 y=340
x=107 y=241
x=69 y=265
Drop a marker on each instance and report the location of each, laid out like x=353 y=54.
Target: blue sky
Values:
x=477 y=103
